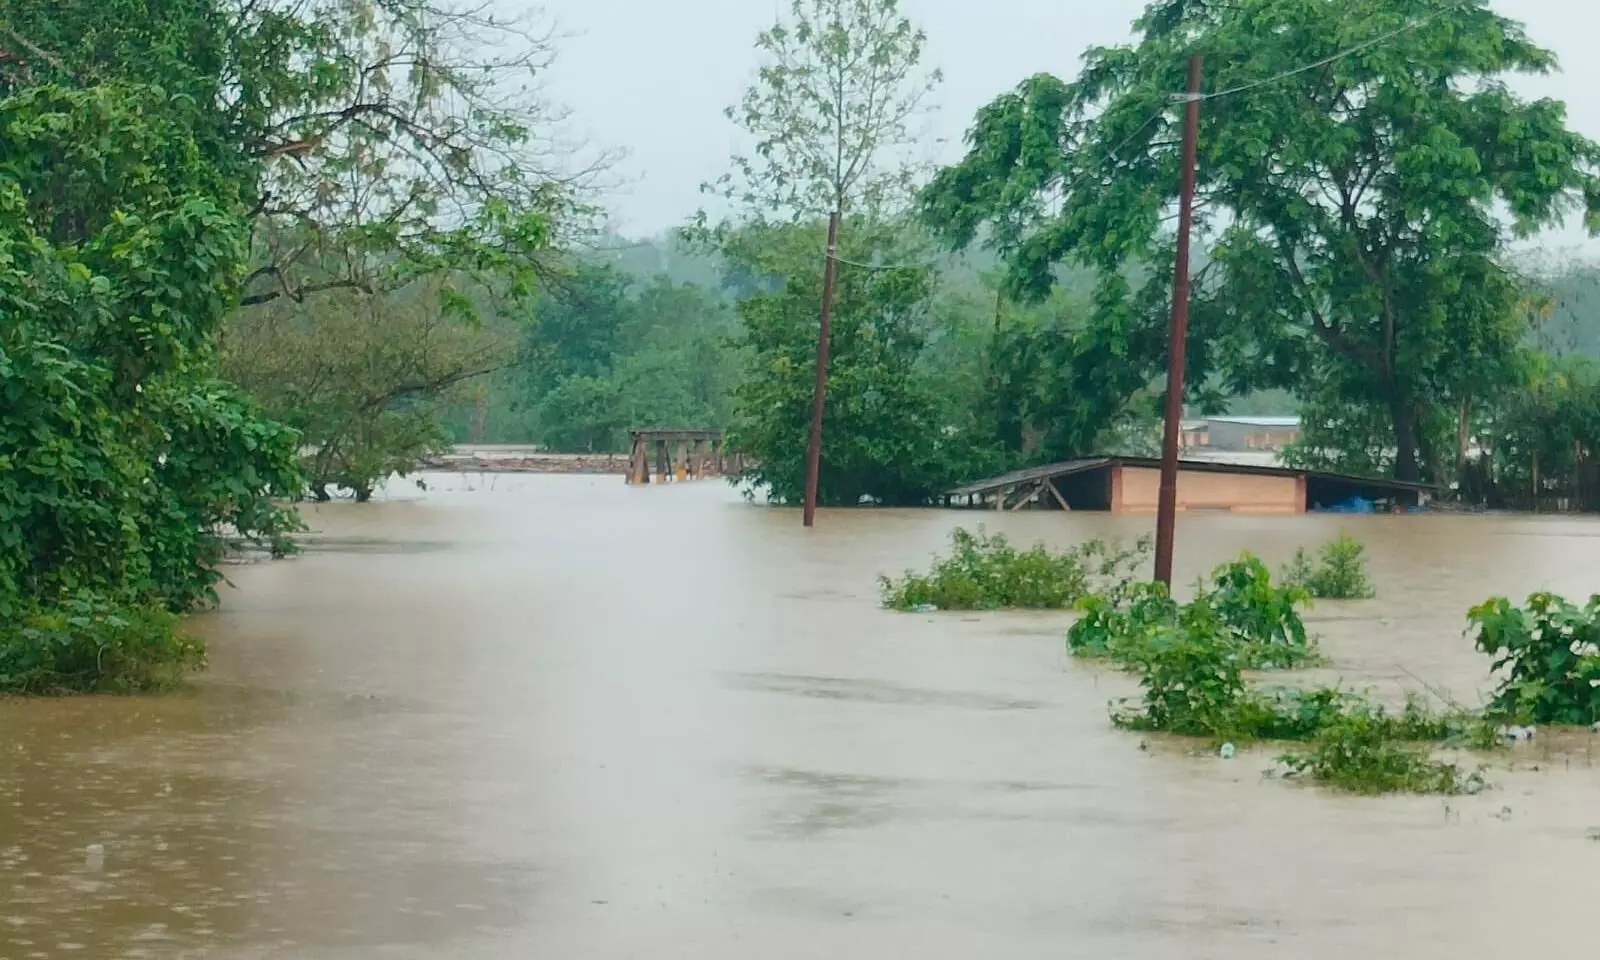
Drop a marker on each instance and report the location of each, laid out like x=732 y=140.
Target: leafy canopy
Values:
x=1352 y=209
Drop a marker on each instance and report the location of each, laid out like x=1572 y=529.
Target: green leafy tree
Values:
x=889 y=438
x=369 y=145
x=363 y=378
x=833 y=113
x=1352 y=207
x=124 y=463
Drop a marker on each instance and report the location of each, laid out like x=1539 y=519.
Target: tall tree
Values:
x=1354 y=161
x=833 y=113
x=124 y=462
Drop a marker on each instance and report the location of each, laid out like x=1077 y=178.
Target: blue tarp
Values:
x=1353 y=505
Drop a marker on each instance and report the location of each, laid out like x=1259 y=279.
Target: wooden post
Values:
x=639 y=462
x=1051 y=486
x=1166 y=515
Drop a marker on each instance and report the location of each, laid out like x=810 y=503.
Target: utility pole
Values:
x=814 y=449
x=1166 y=516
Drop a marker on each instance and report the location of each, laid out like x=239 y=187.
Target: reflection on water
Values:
x=561 y=717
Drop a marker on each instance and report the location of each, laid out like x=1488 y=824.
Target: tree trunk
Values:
x=1405 y=438
x=1536 y=481
x=1462 y=438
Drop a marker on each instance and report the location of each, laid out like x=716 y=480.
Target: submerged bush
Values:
x=88 y=644
x=1550 y=652
x=1240 y=610
x=1191 y=660
x=1339 y=573
x=1195 y=688
x=1193 y=685
x=986 y=572
x=1365 y=750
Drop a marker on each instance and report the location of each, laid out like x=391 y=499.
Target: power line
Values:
x=888 y=266
x=1114 y=154
x=1342 y=54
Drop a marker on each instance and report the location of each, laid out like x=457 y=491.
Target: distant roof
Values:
x=1069 y=467
x=1258 y=421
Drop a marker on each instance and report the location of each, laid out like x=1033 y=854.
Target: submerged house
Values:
x=1133 y=485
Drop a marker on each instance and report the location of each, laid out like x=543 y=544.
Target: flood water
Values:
x=558 y=717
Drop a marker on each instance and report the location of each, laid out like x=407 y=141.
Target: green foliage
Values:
x=1364 y=750
x=1549 y=653
x=1240 y=613
x=1193 y=683
x=1534 y=439
x=1340 y=572
x=606 y=352
x=985 y=572
x=1118 y=623
x=85 y=643
x=1385 y=286
x=363 y=379
x=123 y=460
x=1192 y=660
x=888 y=436
x=606 y=355
x=1193 y=686
x=163 y=162
x=832 y=112
x=831 y=109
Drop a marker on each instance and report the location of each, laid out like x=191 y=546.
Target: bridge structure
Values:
x=677 y=455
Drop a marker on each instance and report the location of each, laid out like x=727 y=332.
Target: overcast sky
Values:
x=650 y=77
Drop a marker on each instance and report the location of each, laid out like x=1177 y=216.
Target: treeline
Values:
x=260 y=250
x=606 y=351
x=1354 y=262
x=246 y=247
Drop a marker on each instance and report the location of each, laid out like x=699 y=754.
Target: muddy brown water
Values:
x=557 y=717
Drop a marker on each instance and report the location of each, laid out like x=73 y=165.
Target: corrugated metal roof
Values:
x=1053 y=470
x=1069 y=467
x=1257 y=421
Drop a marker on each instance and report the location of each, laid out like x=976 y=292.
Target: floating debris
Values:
x=1516 y=734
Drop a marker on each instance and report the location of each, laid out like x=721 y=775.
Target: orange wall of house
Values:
x=1138 y=490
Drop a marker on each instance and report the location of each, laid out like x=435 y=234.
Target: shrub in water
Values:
x=1365 y=750
x=986 y=572
x=1240 y=608
x=87 y=643
x=1550 y=655
x=1191 y=661
x=1193 y=686
x=1340 y=572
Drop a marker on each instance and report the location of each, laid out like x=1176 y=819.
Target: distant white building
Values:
x=1241 y=433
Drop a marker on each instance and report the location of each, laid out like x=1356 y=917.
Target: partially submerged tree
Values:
x=833 y=116
x=363 y=378
x=1355 y=162
x=889 y=436
x=124 y=462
